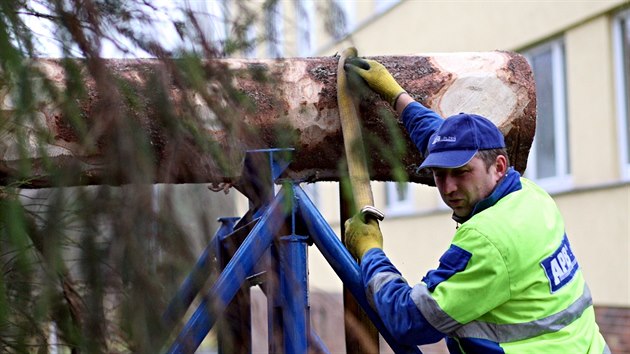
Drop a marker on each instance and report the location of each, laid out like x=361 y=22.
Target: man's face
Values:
x=461 y=188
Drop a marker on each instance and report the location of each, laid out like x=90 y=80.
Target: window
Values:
x=274 y=28
x=305 y=11
x=216 y=24
x=339 y=20
x=384 y=5
x=250 y=38
x=622 y=68
x=212 y=18
x=398 y=198
x=549 y=159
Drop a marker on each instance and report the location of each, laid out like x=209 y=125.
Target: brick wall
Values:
x=614 y=324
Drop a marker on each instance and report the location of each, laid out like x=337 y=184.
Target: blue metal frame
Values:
x=293 y=257
x=231 y=278
x=273 y=243
x=343 y=264
x=201 y=271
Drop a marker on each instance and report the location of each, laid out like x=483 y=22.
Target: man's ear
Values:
x=501 y=166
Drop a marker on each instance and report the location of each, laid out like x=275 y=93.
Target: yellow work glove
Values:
x=377 y=77
x=362 y=236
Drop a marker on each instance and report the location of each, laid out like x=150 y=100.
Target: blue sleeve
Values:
x=390 y=295
x=420 y=123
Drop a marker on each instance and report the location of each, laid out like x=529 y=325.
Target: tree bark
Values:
x=273 y=103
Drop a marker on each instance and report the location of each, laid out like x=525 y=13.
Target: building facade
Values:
x=579 y=52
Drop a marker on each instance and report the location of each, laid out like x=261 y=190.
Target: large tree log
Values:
x=293 y=105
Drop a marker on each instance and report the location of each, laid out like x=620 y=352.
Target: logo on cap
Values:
x=458 y=138
x=447 y=139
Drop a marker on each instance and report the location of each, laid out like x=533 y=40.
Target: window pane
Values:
x=542 y=66
x=305 y=10
x=215 y=23
x=383 y=5
x=339 y=20
x=401 y=191
x=274 y=28
x=250 y=38
x=397 y=194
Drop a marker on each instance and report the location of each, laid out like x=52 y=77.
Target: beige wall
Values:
x=420 y=26
x=597 y=224
x=597 y=205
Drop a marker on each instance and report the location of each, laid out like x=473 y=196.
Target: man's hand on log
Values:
x=377 y=77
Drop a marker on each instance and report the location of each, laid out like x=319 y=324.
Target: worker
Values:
x=509 y=282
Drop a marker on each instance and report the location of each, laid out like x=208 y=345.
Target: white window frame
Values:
x=562 y=181
x=622 y=85
x=306 y=26
x=394 y=206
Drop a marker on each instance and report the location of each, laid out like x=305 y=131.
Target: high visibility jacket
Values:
x=509 y=283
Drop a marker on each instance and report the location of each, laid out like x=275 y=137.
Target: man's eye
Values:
x=438 y=174
x=459 y=172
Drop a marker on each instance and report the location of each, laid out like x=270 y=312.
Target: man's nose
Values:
x=449 y=185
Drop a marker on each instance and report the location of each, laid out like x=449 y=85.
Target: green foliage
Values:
x=90 y=261
x=91 y=249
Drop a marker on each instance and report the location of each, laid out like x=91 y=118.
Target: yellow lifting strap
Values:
x=353 y=142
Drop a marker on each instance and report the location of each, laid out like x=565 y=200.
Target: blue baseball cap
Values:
x=458 y=139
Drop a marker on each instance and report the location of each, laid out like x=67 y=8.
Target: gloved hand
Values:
x=377 y=77
x=362 y=236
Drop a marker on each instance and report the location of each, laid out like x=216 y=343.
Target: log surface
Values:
x=294 y=106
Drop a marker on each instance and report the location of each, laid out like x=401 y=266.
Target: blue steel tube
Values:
x=294 y=289
x=199 y=274
x=271 y=290
x=316 y=344
x=342 y=263
x=232 y=277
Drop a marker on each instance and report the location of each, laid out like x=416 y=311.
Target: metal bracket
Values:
x=369 y=211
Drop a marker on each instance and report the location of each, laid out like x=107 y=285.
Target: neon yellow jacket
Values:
x=509 y=283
